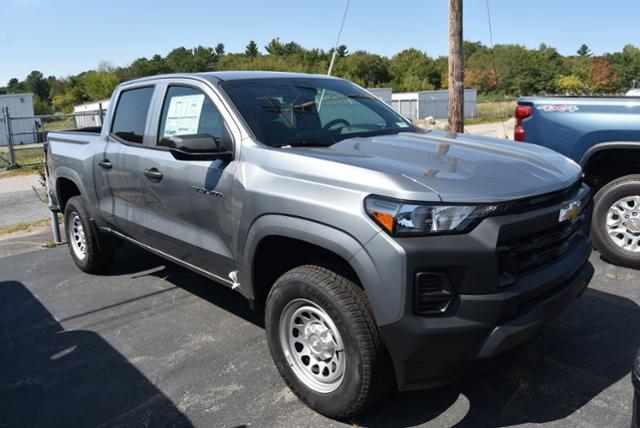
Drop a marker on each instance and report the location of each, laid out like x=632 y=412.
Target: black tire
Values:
x=99 y=249
x=607 y=196
x=368 y=375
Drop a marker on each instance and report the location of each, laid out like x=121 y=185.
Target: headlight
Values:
x=399 y=218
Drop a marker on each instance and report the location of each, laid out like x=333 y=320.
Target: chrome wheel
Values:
x=77 y=237
x=623 y=223
x=312 y=345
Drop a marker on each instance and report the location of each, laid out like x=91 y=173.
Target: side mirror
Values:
x=196 y=147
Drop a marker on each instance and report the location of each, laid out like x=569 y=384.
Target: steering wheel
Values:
x=335 y=122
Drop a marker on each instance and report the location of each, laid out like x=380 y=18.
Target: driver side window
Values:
x=333 y=105
x=188 y=111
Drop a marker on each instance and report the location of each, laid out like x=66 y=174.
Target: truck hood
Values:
x=458 y=167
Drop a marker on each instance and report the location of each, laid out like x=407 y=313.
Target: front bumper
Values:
x=489 y=315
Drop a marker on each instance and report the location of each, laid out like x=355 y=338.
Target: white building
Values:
x=419 y=105
x=88 y=114
x=383 y=93
x=22 y=130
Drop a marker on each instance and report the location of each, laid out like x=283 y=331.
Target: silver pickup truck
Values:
x=382 y=255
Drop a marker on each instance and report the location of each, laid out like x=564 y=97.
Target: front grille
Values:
x=542 y=201
x=533 y=251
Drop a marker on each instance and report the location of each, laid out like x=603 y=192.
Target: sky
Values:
x=65 y=37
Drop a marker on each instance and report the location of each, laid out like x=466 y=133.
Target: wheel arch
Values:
x=338 y=248
x=607 y=146
x=607 y=161
x=67 y=185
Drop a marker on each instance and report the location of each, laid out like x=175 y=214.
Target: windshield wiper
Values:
x=359 y=96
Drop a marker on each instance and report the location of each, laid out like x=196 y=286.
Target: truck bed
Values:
x=571 y=125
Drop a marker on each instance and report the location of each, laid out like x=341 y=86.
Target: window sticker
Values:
x=402 y=125
x=183 y=116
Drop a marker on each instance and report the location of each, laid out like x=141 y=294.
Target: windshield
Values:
x=311 y=111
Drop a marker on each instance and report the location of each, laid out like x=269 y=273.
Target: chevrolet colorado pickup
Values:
x=382 y=255
x=602 y=134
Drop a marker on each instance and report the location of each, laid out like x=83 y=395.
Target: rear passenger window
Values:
x=187 y=111
x=130 y=117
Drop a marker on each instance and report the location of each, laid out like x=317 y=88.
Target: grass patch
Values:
x=24 y=156
x=495 y=111
x=26 y=170
x=28 y=156
x=27 y=227
x=58 y=124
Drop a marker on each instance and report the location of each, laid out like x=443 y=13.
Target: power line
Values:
x=493 y=57
x=335 y=49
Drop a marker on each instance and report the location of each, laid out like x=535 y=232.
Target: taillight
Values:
x=522 y=112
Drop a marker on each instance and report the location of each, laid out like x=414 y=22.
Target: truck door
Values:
x=189 y=202
x=118 y=171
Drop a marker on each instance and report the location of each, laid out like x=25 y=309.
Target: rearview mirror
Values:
x=196 y=147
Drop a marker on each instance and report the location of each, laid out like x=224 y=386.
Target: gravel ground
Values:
x=152 y=344
x=18 y=201
x=496 y=130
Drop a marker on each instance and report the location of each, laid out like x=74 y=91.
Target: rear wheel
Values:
x=325 y=343
x=90 y=251
x=616 y=221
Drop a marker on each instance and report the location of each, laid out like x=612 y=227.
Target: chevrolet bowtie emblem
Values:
x=570 y=210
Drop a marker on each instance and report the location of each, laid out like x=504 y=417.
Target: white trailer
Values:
x=88 y=114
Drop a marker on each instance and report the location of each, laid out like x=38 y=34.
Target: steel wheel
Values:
x=77 y=237
x=312 y=345
x=623 y=223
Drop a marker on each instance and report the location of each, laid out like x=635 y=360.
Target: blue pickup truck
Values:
x=602 y=134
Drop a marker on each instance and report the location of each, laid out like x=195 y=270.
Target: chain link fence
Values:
x=22 y=137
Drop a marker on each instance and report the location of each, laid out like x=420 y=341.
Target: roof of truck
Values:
x=233 y=75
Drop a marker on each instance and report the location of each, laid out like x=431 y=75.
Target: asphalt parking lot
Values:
x=152 y=344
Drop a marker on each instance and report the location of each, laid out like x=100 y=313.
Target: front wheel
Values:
x=325 y=343
x=615 y=227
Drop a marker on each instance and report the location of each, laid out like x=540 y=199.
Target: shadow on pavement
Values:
x=547 y=379
x=131 y=260
x=53 y=377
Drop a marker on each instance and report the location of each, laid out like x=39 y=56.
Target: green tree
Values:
x=413 y=70
x=275 y=47
x=364 y=68
x=584 y=50
x=202 y=58
x=252 y=49
x=180 y=60
x=571 y=85
x=41 y=106
x=37 y=84
x=471 y=48
x=626 y=67
x=14 y=85
x=219 y=50
x=98 y=85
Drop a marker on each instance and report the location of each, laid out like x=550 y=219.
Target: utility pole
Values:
x=456 y=68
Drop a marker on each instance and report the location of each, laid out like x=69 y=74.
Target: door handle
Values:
x=153 y=174
x=106 y=164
